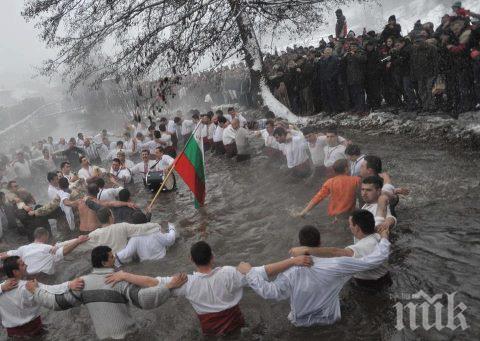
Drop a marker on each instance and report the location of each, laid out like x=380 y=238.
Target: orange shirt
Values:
x=342 y=190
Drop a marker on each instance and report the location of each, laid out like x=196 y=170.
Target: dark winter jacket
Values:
x=424 y=61
x=374 y=66
x=401 y=61
x=355 y=68
x=328 y=69
x=394 y=32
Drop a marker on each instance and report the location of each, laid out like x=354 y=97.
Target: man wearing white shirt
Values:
x=121 y=155
x=353 y=154
x=91 y=151
x=293 y=147
x=235 y=114
x=122 y=174
x=86 y=171
x=376 y=202
x=19 y=312
x=218 y=135
x=213 y=292
x=362 y=226
x=314 y=292
x=80 y=140
x=113 y=151
x=148 y=247
x=316 y=143
x=228 y=139
x=107 y=194
x=104 y=149
x=61 y=145
x=188 y=126
x=39 y=256
x=333 y=151
x=66 y=170
x=22 y=167
x=162 y=162
x=53 y=188
x=142 y=168
x=272 y=147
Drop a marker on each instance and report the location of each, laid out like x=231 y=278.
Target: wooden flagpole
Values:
x=173 y=166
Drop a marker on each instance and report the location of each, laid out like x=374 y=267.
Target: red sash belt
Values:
x=222 y=322
x=32 y=328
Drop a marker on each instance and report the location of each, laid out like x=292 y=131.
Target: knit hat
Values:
x=457 y=4
x=392 y=18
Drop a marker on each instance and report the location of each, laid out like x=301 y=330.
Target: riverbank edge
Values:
x=463 y=132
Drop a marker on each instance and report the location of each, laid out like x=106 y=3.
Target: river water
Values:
x=436 y=244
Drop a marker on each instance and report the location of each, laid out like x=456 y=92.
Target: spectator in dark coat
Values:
x=328 y=74
x=401 y=66
x=424 y=69
x=373 y=76
x=392 y=29
x=355 y=62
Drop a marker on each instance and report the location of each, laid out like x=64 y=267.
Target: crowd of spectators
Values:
x=427 y=70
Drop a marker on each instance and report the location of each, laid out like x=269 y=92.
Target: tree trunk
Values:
x=254 y=61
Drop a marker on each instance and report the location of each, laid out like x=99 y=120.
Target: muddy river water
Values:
x=436 y=244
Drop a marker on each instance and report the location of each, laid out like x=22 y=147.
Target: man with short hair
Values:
x=228 y=139
x=39 y=256
x=108 y=306
x=342 y=189
x=362 y=226
x=293 y=147
x=334 y=150
x=162 y=162
x=52 y=178
x=213 y=292
x=91 y=151
x=376 y=202
x=107 y=194
x=86 y=171
x=121 y=174
x=66 y=170
x=353 y=154
x=314 y=292
x=19 y=312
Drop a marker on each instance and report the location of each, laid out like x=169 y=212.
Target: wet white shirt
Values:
x=85 y=173
x=123 y=174
x=317 y=151
x=363 y=247
x=17 y=306
x=219 y=290
x=142 y=168
x=229 y=135
x=333 y=154
x=165 y=162
x=314 y=292
x=52 y=192
x=356 y=165
x=295 y=151
x=171 y=127
x=372 y=208
x=148 y=247
x=67 y=209
x=270 y=141
x=218 y=134
x=108 y=194
x=38 y=258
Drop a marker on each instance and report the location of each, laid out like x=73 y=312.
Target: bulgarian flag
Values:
x=190 y=166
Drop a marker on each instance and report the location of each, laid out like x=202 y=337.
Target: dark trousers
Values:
x=357 y=97
x=408 y=93
x=329 y=96
x=373 y=90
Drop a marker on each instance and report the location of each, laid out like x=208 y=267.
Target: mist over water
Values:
x=436 y=245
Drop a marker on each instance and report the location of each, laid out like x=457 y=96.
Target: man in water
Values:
x=342 y=189
x=362 y=226
x=86 y=171
x=228 y=139
x=376 y=202
x=19 y=312
x=314 y=292
x=293 y=147
x=353 y=154
x=121 y=173
x=108 y=306
x=39 y=256
x=213 y=292
x=334 y=150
